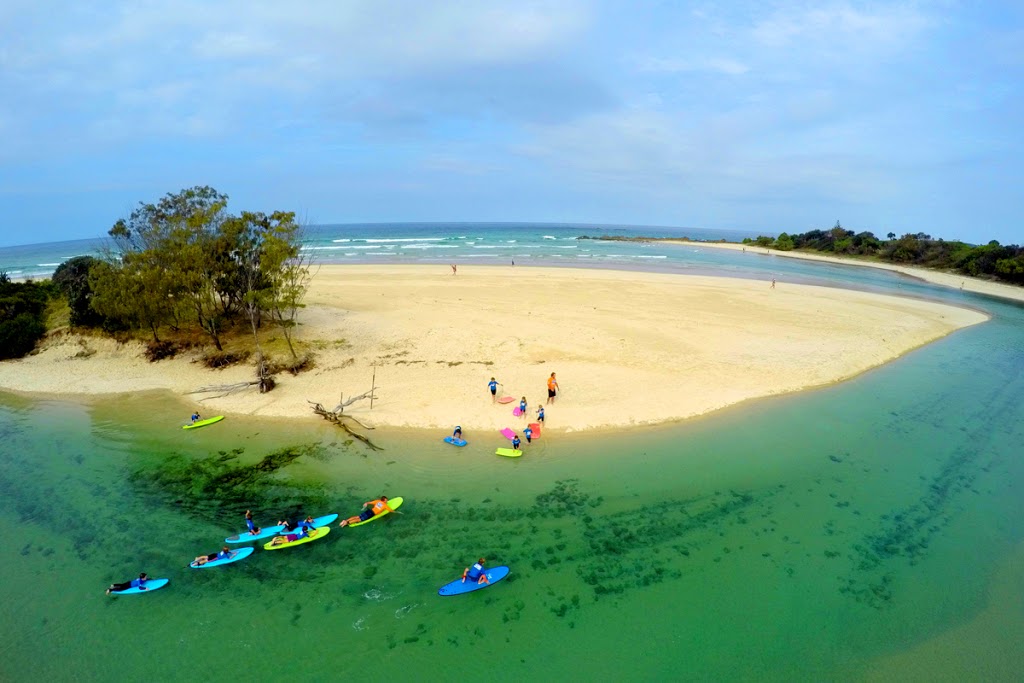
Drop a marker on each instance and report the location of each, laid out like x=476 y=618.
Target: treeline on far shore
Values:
x=181 y=272
x=993 y=261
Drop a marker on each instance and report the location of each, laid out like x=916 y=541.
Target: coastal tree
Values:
x=784 y=242
x=72 y=278
x=22 y=311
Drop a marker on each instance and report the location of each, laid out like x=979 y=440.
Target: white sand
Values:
x=628 y=347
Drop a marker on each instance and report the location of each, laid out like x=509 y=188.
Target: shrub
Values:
x=223 y=359
x=19 y=335
x=158 y=350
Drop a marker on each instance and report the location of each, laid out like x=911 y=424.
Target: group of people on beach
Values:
x=523 y=409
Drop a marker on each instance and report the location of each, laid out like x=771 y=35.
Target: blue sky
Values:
x=767 y=116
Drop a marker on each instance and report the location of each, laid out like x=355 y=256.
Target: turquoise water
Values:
x=795 y=538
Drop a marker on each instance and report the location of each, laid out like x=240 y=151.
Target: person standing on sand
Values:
x=493 y=386
x=528 y=433
x=540 y=414
x=523 y=406
x=552 y=388
x=773 y=283
x=455 y=269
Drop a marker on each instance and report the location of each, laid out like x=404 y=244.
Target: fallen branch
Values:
x=225 y=389
x=337 y=417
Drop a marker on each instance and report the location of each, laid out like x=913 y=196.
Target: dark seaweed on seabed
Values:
x=904 y=535
x=221 y=487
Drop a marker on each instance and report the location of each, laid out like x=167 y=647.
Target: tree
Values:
x=72 y=278
x=22 y=306
x=764 y=241
x=784 y=242
x=891 y=235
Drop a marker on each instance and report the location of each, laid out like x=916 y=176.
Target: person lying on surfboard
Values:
x=290 y=538
x=457 y=434
x=375 y=508
x=476 y=572
x=203 y=559
x=139 y=583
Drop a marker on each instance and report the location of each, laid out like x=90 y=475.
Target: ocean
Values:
x=870 y=530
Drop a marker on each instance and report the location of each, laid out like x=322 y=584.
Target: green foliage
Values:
x=185 y=262
x=988 y=260
x=784 y=242
x=22 y=310
x=764 y=241
x=72 y=278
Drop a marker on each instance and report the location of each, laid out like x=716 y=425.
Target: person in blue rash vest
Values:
x=476 y=572
x=139 y=583
x=493 y=386
x=457 y=434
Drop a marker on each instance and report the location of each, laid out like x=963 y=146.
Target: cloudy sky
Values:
x=766 y=116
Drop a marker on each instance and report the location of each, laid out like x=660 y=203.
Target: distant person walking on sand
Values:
x=773 y=283
x=540 y=413
x=455 y=269
x=552 y=388
x=528 y=433
x=493 y=386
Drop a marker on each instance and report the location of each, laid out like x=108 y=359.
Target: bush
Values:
x=72 y=279
x=18 y=336
x=158 y=350
x=224 y=359
x=294 y=366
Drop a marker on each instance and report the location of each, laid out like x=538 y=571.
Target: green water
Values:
x=797 y=538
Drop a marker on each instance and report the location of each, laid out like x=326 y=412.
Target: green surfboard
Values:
x=203 y=423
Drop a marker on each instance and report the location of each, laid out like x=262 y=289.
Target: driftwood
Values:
x=337 y=416
x=225 y=389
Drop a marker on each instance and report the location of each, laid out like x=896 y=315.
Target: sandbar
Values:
x=629 y=348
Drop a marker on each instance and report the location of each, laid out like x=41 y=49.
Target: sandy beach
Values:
x=629 y=348
x=936 y=277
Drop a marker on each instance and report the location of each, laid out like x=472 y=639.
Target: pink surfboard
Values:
x=516 y=411
x=505 y=399
x=507 y=433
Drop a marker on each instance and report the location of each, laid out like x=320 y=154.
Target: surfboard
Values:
x=455 y=442
x=507 y=433
x=393 y=503
x=203 y=423
x=508 y=452
x=314 y=535
x=535 y=426
x=151 y=585
x=517 y=411
x=276 y=530
x=459 y=587
x=506 y=399
x=233 y=556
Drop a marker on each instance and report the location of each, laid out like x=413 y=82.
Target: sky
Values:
x=762 y=116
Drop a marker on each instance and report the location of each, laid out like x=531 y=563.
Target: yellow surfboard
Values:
x=313 y=535
x=508 y=452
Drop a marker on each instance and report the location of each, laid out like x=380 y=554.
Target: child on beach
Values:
x=516 y=442
x=528 y=433
x=493 y=386
x=195 y=417
x=540 y=413
x=522 y=407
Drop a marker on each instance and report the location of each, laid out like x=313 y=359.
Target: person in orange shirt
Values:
x=370 y=508
x=552 y=388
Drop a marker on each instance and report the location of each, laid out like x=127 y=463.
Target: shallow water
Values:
x=794 y=538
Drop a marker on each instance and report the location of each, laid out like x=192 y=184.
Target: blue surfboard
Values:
x=276 y=530
x=455 y=442
x=233 y=556
x=458 y=586
x=151 y=585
